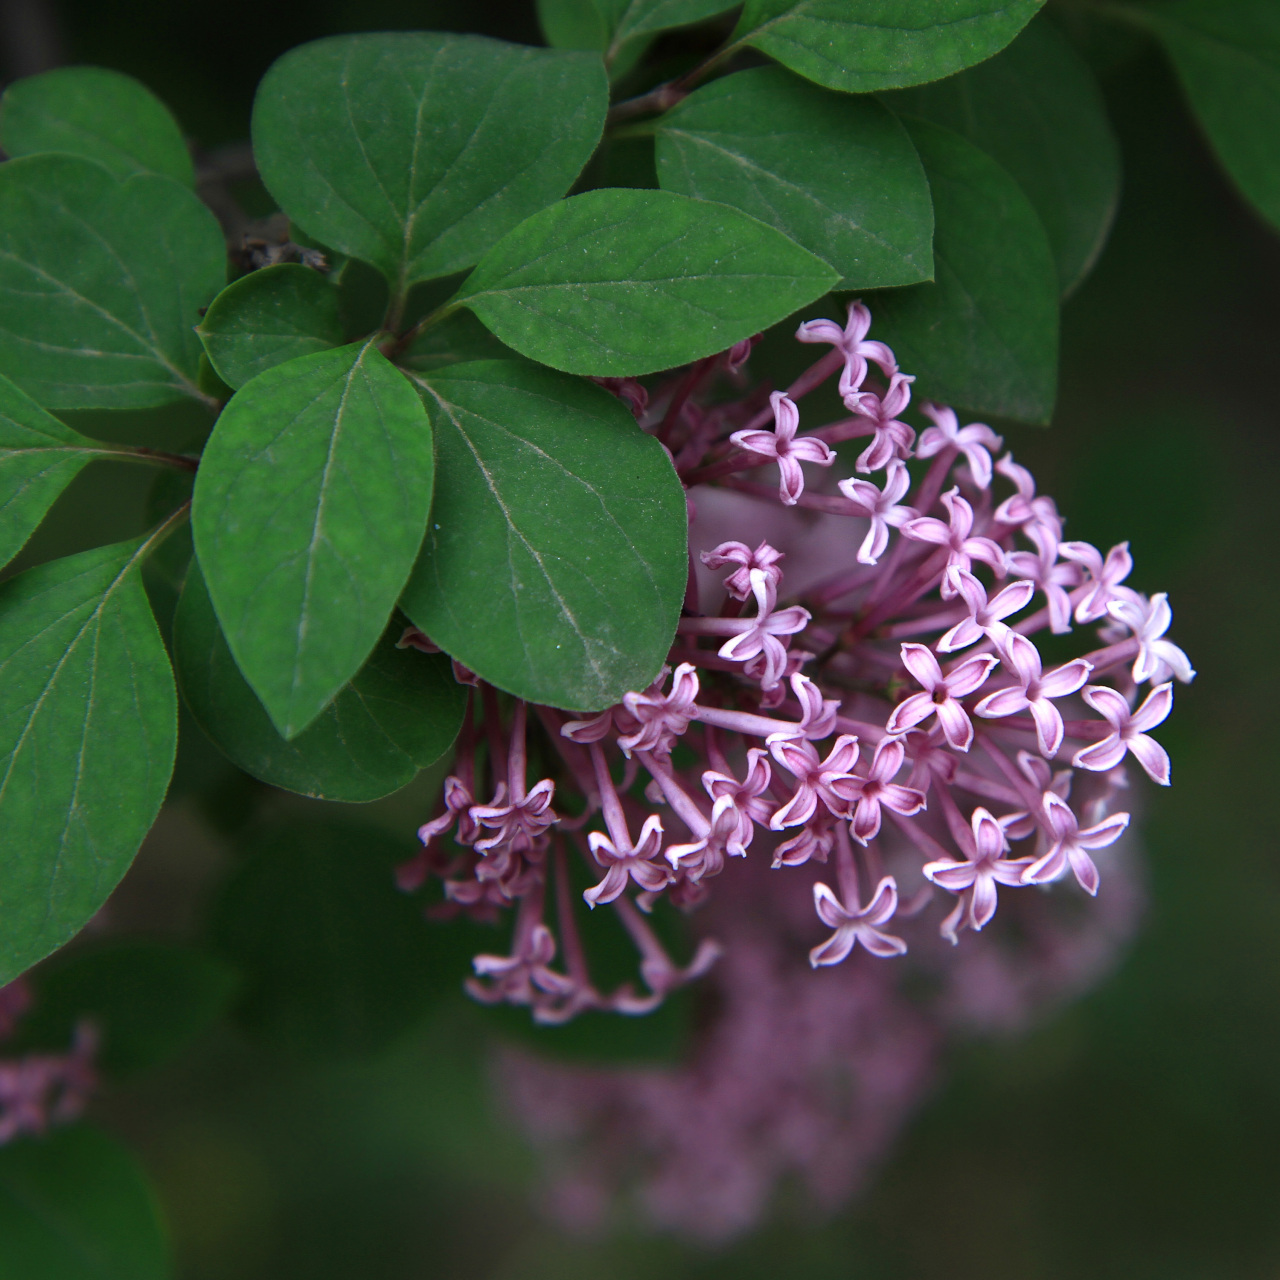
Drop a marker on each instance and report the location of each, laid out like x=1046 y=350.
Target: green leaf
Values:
x=984 y=337
x=416 y=152
x=573 y=24
x=88 y=726
x=1228 y=59
x=626 y=19
x=146 y=1000
x=620 y=282
x=335 y=958
x=76 y=1206
x=268 y=317
x=556 y=560
x=455 y=339
x=309 y=508
x=837 y=174
x=39 y=457
x=101 y=281
x=98 y=114
x=399 y=714
x=860 y=46
x=1036 y=109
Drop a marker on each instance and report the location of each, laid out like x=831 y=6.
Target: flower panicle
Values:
x=891 y=722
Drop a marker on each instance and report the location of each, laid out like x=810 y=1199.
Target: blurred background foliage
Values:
x=1134 y=1134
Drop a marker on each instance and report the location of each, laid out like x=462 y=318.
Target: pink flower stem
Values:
x=575 y=956
x=931 y=848
x=614 y=817
x=846 y=868
x=682 y=804
x=494 y=735
x=813 y=501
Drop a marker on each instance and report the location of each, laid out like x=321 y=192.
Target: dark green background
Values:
x=1135 y=1135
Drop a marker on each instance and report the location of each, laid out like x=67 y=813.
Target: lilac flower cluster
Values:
x=878 y=711
x=41 y=1089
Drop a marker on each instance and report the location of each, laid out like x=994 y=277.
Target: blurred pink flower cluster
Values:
x=859 y=692
x=38 y=1090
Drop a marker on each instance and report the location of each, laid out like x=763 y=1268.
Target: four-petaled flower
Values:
x=759 y=635
x=855 y=923
x=738 y=583
x=962 y=549
x=662 y=717
x=522 y=977
x=1034 y=690
x=1104 y=577
x=626 y=861
x=975 y=441
x=941 y=694
x=1070 y=845
x=882 y=508
x=1158 y=659
x=830 y=780
x=891 y=438
x=781 y=445
x=986 y=617
x=1051 y=575
x=851 y=342
x=976 y=878
x=744 y=797
x=517 y=823
x=1128 y=731
x=878 y=788
x=1024 y=508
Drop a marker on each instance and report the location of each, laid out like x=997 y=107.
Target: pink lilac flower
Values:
x=890 y=438
x=854 y=923
x=738 y=583
x=974 y=441
x=1025 y=508
x=878 y=789
x=1129 y=731
x=1103 y=577
x=660 y=717
x=781 y=445
x=882 y=506
x=853 y=345
x=975 y=878
x=829 y=780
x=986 y=617
x=1049 y=574
x=956 y=535
x=1034 y=690
x=1158 y=658
x=1070 y=845
x=942 y=694
x=626 y=861
x=745 y=799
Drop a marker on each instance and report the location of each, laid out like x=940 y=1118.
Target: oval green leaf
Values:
x=416 y=152
x=984 y=335
x=837 y=174
x=1228 y=59
x=617 y=283
x=147 y=1001
x=88 y=727
x=268 y=317
x=309 y=508
x=1036 y=109
x=98 y=114
x=76 y=1206
x=335 y=959
x=860 y=46
x=556 y=560
x=626 y=19
x=400 y=713
x=101 y=281
x=39 y=457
